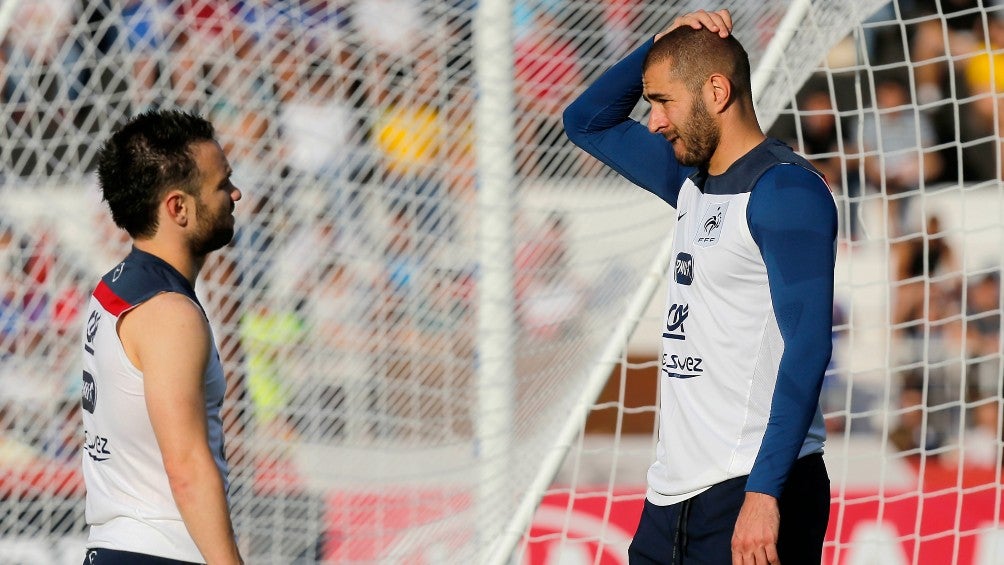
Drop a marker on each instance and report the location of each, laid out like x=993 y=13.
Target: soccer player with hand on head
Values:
x=153 y=385
x=739 y=476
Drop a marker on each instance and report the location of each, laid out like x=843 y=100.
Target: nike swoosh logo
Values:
x=680 y=217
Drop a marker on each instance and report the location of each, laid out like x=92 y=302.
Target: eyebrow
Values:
x=226 y=176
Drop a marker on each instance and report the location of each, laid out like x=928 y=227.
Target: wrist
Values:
x=760 y=498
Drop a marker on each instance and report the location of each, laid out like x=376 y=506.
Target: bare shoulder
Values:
x=166 y=309
x=168 y=322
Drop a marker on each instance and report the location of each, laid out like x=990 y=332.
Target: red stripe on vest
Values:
x=109 y=300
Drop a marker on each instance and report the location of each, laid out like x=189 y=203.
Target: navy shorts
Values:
x=102 y=556
x=698 y=531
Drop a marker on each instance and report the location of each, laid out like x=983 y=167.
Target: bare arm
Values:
x=168 y=339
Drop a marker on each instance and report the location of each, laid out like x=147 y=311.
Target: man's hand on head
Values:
x=719 y=21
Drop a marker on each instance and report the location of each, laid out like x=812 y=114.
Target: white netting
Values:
x=413 y=308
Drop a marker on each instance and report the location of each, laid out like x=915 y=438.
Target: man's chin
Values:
x=688 y=160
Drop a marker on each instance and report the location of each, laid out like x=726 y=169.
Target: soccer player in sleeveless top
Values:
x=738 y=476
x=153 y=385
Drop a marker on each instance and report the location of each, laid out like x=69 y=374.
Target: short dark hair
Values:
x=147 y=156
x=698 y=53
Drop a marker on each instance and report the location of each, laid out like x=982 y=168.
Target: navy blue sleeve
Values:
x=794 y=222
x=599 y=121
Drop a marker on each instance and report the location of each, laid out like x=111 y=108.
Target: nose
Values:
x=657 y=121
x=236 y=194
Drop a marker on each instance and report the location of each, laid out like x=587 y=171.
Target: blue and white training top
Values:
x=129 y=502
x=747 y=332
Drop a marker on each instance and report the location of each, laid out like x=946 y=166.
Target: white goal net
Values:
x=436 y=317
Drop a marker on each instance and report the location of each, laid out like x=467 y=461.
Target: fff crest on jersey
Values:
x=710 y=228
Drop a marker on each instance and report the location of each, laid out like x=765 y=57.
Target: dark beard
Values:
x=211 y=235
x=215 y=239
x=700 y=136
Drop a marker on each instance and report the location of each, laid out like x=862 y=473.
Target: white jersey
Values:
x=722 y=346
x=129 y=502
x=748 y=326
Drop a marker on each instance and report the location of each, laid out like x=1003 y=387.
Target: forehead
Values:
x=659 y=78
x=211 y=161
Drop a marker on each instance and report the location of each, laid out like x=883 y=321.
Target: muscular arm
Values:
x=168 y=339
x=793 y=220
x=599 y=122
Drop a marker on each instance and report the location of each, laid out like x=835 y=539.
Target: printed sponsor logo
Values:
x=681 y=367
x=88 y=393
x=684 y=268
x=674 y=321
x=96 y=447
x=711 y=225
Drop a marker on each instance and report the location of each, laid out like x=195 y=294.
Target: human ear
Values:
x=176 y=206
x=718 y=92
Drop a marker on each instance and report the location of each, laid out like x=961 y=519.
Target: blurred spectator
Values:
x=928 y=288
x=403 y=265
x=819 y=141
x=984 y=74
x=896 y=139
x=619 y=25
x=339 y=320
x=39 y=256
x=61 y=439
x=547 y=68
x=186 y=69
x=145 y=24
x=302 y=253
x=255 y=243
x=10 y=312
x=10 y=251
x=322 y=125
x=68 y=304
x=928 y=48
x=270 y=333
x=36 y=91
x=239 y=99
x=983 y=325
x=980 y=446
x=394 y=28
x=547 y=296
x=911 y=432
x=410 y=133
x=205 y=28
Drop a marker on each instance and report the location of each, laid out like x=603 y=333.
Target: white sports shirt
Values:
x=129 y=502
x=747 y=334
x=721 y=350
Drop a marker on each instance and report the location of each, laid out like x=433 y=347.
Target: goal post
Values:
x=437 y=316
x=495 y=140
